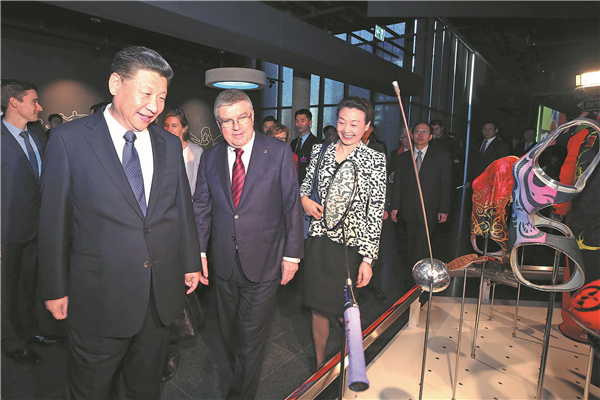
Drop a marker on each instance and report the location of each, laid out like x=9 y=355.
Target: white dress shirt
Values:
x=142 y=144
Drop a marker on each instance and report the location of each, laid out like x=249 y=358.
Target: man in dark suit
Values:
x=247 y=202
x=22 y=151
x=525 y=144
x=488 y=150
x=303 y=144
x=434 y=165
x=117 y=234
x=370 y=139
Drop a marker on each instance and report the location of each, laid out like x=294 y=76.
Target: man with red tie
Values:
x=247 y=202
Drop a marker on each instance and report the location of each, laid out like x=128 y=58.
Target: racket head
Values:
x=340 y=194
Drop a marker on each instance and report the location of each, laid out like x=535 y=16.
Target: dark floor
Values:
x=204 y=372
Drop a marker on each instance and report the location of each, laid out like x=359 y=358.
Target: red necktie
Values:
x=237 y=177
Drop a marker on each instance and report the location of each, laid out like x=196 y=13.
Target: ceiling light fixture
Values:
x=235 y=78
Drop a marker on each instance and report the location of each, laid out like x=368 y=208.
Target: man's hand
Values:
x=312 y=208
x=394 y=215
x=385 y=215
x=191 y=280
x=288 y=270
x=365 y=272
x=442 y=218
x=204 y=274
x=58 y=307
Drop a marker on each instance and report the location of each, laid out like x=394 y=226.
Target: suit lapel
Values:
x=159 y=152
x=224 y=174
x=98 y=137
x=259 y=153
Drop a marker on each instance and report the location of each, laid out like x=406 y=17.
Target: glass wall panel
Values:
x=314 y=89
x=287 y=87
x=356 y=91
x=387 y=120
x=333 y=91
x=330 y=116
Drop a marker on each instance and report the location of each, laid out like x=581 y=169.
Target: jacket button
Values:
x=146 y=230
x=146 y=264
x=233 y=238
x=236 y=216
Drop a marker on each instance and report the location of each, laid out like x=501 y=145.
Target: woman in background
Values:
x=177 y=123
x=281 y=132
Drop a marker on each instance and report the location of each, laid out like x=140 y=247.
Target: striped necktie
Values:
x=238 y=177
x=133 y=170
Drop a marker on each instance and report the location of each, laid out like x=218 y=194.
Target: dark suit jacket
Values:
x=304 y=154
x=436 y=184
x=267 y=224
x=520 y=150
x=479 y=162
x=20 y=189
x=378 y=145
x=113 y=256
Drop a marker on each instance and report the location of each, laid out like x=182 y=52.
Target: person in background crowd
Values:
x=281 y=132
x=176 y=123
x=22 y=156
x=268 y=122
x=330 y=133
x=54 y=120
x=434 y=166
x=302 y=145
x=370 y=139
x=524 y=145
x=489 y=149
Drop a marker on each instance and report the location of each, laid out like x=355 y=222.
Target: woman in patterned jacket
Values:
x=325 y=270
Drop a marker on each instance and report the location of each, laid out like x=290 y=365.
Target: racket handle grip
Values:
x=357 y=373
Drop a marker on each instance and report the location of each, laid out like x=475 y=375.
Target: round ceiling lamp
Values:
x=235 y=78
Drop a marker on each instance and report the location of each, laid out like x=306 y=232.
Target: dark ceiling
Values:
x=534 y=47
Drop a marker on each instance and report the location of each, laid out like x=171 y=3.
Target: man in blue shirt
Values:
x=22 y=150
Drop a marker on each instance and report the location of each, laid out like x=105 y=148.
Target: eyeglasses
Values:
x=421 y=133
x=228 y=123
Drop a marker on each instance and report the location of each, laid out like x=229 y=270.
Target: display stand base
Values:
x=506 y=367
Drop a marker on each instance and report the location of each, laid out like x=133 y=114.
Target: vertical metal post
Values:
x=514 y=332
x=492 y=304
x=460 y=325
x=423 y=362
x=547 y=332
x=588 y=376
x=478 y=312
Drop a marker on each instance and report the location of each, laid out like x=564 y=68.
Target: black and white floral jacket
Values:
x=364 y=220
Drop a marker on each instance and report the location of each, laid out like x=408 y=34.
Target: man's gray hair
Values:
x=229 y=97
x=130 y=60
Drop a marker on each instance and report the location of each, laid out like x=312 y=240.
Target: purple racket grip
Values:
x=357 y=373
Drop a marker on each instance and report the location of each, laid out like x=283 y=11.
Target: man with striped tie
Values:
x=118 y=244
x=247 y=202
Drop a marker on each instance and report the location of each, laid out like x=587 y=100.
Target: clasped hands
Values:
x=312 y=208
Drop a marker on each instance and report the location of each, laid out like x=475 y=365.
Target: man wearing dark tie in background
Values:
x=118 y=243
x=434 y=166
x=490 y=149
x=303 y=144
x=247 y=202
x=22 y=150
